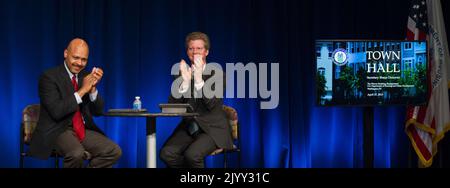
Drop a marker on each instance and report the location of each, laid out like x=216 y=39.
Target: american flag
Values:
x=417 y=21
x=426 y=125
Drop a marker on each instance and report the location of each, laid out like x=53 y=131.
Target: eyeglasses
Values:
x=196 y=49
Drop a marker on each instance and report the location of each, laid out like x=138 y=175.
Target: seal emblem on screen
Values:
x=340 y=56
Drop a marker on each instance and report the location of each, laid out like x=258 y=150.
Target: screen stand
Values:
x=368 y=137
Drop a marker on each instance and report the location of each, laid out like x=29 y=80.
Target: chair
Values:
x=232 y=117
x=30 y=117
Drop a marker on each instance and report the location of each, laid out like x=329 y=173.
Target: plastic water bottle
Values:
x=137 y=104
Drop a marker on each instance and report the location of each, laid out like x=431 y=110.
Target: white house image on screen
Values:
x=413 y=55
x=325 y=67
x=356 y=60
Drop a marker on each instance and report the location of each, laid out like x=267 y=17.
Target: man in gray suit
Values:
x=195 y=138
x=69 y=98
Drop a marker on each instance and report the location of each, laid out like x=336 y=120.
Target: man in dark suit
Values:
x=69 y=98
x=195 y=138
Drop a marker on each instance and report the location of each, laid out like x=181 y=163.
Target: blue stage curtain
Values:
x=137 y=41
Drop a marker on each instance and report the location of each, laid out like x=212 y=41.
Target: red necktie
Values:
x=77 y=120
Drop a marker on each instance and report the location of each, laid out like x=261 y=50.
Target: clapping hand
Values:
x=186 y=71
x=97 y=74
x=198 y=68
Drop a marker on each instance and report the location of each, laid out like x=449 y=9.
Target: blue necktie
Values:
x=193 y=128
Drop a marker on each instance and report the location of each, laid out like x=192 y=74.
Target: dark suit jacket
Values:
x=58 y=105
x=212 y=119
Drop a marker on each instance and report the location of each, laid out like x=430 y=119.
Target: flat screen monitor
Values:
x=371 y=72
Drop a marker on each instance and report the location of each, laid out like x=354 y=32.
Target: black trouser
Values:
x=104 y=152
x=185 y=151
